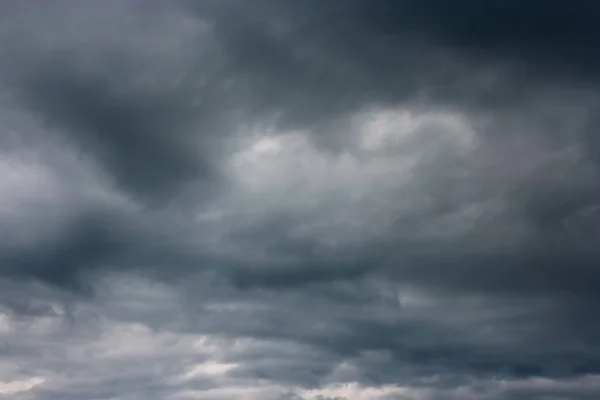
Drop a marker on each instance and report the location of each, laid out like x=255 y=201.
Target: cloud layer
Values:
x=286 y=200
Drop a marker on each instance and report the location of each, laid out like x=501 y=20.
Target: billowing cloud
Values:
x=293 y=200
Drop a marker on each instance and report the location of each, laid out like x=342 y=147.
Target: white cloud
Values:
x=12 y=387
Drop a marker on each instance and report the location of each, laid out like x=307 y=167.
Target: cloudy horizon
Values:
x=299 y=200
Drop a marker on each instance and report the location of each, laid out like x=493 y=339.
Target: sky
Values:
x=299 y=200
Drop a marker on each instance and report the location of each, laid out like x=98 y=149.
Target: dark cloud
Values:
x=361 y=200
x=137 y=138
x=86 y=243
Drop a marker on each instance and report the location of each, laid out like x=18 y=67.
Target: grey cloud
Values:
x=305 y=341
x=89 y=241
x=423 y=211
x=136 y=137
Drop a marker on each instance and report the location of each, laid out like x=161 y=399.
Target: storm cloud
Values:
x=299 y=200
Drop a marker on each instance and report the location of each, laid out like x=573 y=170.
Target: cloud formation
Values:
x=287 y=200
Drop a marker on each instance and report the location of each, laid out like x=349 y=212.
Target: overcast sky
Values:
x=299 y=200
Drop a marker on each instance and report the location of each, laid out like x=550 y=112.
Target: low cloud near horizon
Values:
x=299 y=200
